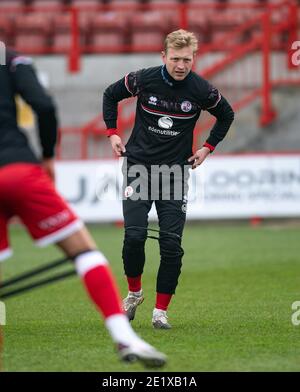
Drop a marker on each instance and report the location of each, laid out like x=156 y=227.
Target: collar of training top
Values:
x=167 y=78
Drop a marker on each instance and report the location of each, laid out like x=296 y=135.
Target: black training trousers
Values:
x=171 y=217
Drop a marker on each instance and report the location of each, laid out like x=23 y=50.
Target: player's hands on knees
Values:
x=48 y=165
x=199 y=157
x=117 y=144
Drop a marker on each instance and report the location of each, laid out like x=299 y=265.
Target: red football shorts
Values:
x=26 y=191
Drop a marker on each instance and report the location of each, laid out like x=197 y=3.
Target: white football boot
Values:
x=131 y=302
x=160 y=319
x=142 y=352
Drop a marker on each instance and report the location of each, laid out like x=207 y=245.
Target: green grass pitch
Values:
x=231 y=312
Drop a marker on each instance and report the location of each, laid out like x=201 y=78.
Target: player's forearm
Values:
x=48 y=129
x=225 y=116
x=115 y=93
x=110 y=110
x=31 y=90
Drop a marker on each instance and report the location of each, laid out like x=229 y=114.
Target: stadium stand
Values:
x=32 y=31
x=6 y=28
x=233 y=52
x=108 y=31
x=46 y=26
x=148 y=30
x=62 y=33
x=116 y=4
x=47 y=5
x=12 y=4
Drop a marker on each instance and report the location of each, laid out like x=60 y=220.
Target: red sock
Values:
x=162 y=301
x=102 y=289
x=134 y=284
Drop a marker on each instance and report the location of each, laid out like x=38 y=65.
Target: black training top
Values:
x=166 y=114
x=18 y=77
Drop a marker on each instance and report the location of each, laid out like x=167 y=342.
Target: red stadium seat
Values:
x=10 y=7
x=84 y=22
x=32 y=32
x=62 y=33
x=169 y=10
x=196 y=19
x=34 y=22
x=199 y=23
x=189 y=2
x=126 y=8
x=109 y=29
x=87 y=10
x=62 y=22
x=33 y=28
x=6 y=30
x=108 y=20
x=157 y=3
x=63 y=30
x=143 y=41
x=148 y=30
x=48 y=5
x=107 y=41
x=149 y=20
x=132 y=4
x=31 y=43
x=6 y=24
x=11 y=3
x=61 y=42
x=227 y=19
x=85 y=3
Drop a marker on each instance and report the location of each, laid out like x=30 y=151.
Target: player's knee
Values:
x=170 y=247
x=135 y=237
x=87 y=260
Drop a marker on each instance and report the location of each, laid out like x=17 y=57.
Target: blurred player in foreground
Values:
x=27 y=191
x=170 y=98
